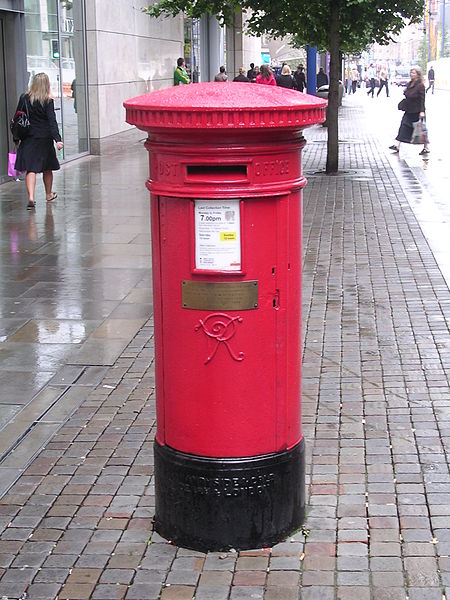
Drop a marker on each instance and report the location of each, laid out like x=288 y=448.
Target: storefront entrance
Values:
x=55 y=42
x=45 y=36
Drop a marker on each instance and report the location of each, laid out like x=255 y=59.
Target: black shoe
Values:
x=424 y=151
x=394 y=148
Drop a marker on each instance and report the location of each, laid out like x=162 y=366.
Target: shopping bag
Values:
x=420 y=133
x=11 y=162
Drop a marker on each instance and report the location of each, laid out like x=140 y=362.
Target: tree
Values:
x=335 y=26
x=423 y=53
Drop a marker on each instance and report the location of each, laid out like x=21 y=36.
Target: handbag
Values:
x=402 y=104
x=11 y=168
x=20 y=123
x=420 y=133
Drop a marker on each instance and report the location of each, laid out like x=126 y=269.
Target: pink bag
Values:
x=11 y=162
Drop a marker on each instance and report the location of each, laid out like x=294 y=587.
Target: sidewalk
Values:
x=77 y=524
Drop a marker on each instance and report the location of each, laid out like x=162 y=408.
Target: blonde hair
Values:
x=286 y=70
x=39 y=89
x=419 y=76
x=242 y=70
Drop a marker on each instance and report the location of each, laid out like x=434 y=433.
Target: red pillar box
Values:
x=226 y=203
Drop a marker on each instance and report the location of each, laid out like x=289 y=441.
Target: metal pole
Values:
x=443 y=30
x=311 y=75
x=429 y=30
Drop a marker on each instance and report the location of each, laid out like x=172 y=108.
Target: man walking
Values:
x=371 y=74
x=383 y=83
x=300 y=78
x=430 y=80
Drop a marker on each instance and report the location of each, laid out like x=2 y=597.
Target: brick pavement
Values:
x=376 y=414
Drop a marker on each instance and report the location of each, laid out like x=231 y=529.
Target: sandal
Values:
x=31 y=205
x=53 y=196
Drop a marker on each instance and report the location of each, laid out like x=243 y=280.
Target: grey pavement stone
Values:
x=43 y=591
x=109 y=592
x=384 y=593
x=425 y=594
x=183 y=577
x=12 y=590
x=421 y=572
x=143 y=591
x=285 y=563
x=353 y=578
x=317 y=593
x=247 y=593
x=353 y=593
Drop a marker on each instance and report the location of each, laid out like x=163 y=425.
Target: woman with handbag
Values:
x=414 y=106
x=36 y=152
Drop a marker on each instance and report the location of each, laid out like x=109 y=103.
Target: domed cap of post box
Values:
x=224 y=106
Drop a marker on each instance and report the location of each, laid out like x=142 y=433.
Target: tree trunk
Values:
x=333 y=94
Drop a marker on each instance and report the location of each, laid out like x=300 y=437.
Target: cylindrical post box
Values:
x=226 y=188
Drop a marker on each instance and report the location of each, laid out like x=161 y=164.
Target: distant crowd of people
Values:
x=282 y=76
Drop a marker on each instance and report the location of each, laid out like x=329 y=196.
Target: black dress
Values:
x=36 y=153
x=415 y=104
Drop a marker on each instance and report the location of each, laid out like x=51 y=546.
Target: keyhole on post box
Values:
x=276 y=300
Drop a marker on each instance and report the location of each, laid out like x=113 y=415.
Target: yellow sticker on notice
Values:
x=227 y=236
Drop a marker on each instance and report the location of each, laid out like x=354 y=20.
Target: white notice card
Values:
x=217 y=235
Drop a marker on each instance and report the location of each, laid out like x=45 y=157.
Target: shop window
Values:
x=55 y=41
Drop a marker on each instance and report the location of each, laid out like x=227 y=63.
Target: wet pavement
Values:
x=77 y=387
x=75 y=288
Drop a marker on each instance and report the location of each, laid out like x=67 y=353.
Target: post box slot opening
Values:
x=216 y=172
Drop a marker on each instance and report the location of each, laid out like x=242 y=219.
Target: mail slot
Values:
x=221 y=172
x=226 y=202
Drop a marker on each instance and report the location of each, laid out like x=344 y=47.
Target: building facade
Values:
x=97 y=53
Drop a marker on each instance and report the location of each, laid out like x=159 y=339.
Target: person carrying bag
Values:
x=413 y=105
x=36 y=150
x=420 y=132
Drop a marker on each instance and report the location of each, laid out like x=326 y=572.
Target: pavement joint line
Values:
x=41 y=417
x=27 y=428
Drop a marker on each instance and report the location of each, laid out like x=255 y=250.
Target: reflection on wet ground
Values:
x=75 y=280
x=425 y=180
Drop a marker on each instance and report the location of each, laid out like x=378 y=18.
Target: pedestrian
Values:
x=242 y=76
x=266 y=76
x=251 y=75
x=355 y=80
x=383 y=83
x=414 y=106
x=430 y=77
x=73 y=87
x=286 y=80
x=300 y=78
x=221 y=75
x=371 y=75
x=180 y=76
x=322 y=78
x=36 y=153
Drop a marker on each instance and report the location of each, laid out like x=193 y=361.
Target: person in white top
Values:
x=371 y=75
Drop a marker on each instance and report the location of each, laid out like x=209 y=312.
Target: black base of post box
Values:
x=221 y=503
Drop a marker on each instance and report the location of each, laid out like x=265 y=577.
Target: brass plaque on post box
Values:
x=205 y=295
